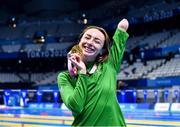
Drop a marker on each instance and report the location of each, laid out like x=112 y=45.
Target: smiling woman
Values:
x=94 y=42
x=91 y=95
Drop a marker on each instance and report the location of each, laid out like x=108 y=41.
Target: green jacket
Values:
x=92 y=98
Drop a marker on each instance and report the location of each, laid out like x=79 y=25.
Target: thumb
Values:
x=123 y=24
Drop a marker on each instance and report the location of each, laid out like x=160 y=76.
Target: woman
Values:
x=91 y=95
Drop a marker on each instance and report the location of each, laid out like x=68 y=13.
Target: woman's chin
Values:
x=89 y=57
x=89 y=54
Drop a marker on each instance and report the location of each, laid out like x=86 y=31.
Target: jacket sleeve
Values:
x=118 y=48
x=73 y=97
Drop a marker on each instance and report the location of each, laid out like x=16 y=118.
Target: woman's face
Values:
x=91 y=44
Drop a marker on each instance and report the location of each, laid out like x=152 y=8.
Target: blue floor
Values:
x=57 y=117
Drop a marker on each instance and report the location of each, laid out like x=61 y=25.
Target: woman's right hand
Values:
x=76 y=60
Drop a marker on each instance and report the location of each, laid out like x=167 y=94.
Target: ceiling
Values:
x=19 y=6
x=54 y=7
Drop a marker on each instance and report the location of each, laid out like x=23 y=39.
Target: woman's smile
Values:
x=88 y=49
x=92 y=43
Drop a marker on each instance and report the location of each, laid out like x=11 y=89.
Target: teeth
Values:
x=88 y=49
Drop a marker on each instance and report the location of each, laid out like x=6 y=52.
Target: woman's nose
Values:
x=90 y=41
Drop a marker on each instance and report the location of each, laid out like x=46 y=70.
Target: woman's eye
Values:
x=87 y=37
x=97 y=42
